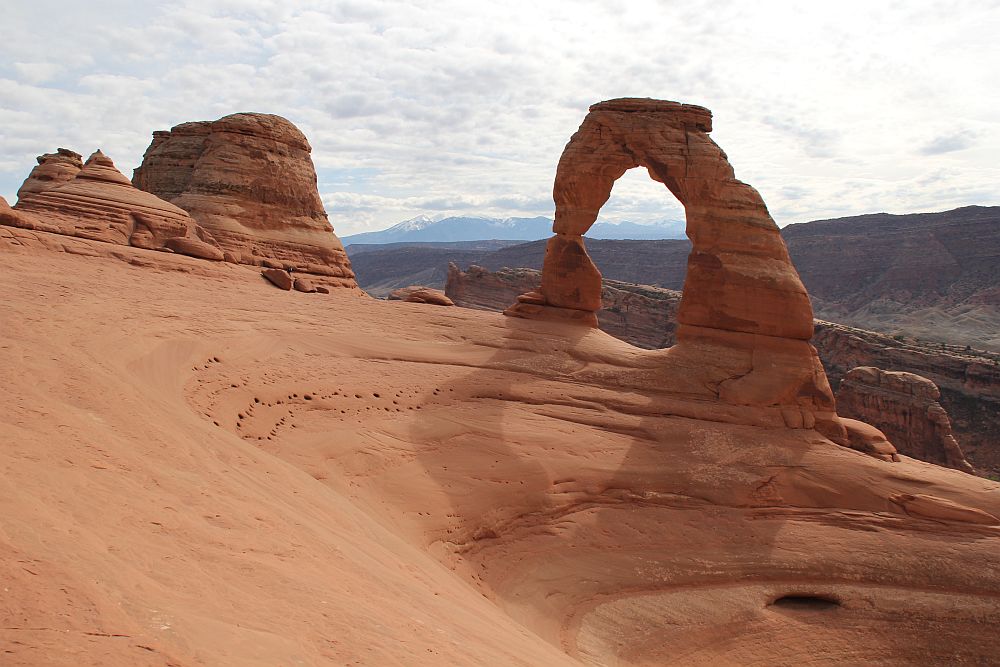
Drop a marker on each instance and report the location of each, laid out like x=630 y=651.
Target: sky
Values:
x=463 y=108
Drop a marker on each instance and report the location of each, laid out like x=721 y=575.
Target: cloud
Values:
x=948 y=143
x=465 y=106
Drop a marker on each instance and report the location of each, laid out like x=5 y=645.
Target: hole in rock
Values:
x=638 y=199
x=806 y=602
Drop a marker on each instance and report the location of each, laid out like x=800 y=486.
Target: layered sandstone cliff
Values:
x=968 y=380
x=905 y=407
x=249 y=180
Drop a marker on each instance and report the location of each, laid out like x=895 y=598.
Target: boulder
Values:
x=420 y=294
x=194 y=247
x=304 y=285
x=278 y=277
x=249 y=180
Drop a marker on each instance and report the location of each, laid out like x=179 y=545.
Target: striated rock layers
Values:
x=745 y=320
x=101 y=204
x=52 y=169
x=249 y=180
x=642 y=315
x=969 y=380
x=905 y=407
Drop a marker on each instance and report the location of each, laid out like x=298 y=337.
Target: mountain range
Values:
x=425 y=228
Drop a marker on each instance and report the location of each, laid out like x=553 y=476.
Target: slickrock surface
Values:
x=420 y=294
x=745 y=319
x=638 y=314
x=101 y=204
x=225 y=475
x=969 y=380
x=248 y=178
x=53 y=169
x=905 y=407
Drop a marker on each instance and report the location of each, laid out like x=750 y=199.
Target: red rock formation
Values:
x=278 y=277
x=642 y=315
x=904 y=406
x=304 y=285
x=969 y=380
x=420 y=294
x=53 y=169
x=969 y=383
x=8 y=216
x=248 y=179
x=745 y=319
x=101 y=204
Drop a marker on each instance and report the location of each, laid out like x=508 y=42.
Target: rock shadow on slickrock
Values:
x=454 y=444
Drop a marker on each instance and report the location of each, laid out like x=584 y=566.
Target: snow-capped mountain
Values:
x=424 y=228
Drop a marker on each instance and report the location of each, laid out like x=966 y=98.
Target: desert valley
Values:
x=219 y=450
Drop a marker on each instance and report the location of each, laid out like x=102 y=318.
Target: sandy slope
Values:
x=199 y=469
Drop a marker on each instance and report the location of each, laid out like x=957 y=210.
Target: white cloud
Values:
x=828 y=109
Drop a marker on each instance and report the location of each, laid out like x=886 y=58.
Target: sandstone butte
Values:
x=906 y=408
x=249 y=180
x=232 y=474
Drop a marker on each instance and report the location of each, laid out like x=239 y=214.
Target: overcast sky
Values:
x=829 y=109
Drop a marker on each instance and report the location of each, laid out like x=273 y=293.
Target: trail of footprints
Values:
x=261 y=409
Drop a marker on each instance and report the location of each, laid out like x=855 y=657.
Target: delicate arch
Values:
x=739 y=275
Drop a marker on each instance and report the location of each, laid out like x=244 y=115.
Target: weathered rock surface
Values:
x=8 y=216
x=304 y=285
x=969 y=380
x=905 y=407
x=101 y=204
x=249 y=180
x=642 y=315
x=279 y=278
x=745 y=319
x=421 y=294
x=53 y=169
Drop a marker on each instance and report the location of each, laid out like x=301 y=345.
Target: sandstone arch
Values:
x=745 y=318
x=739 y=275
